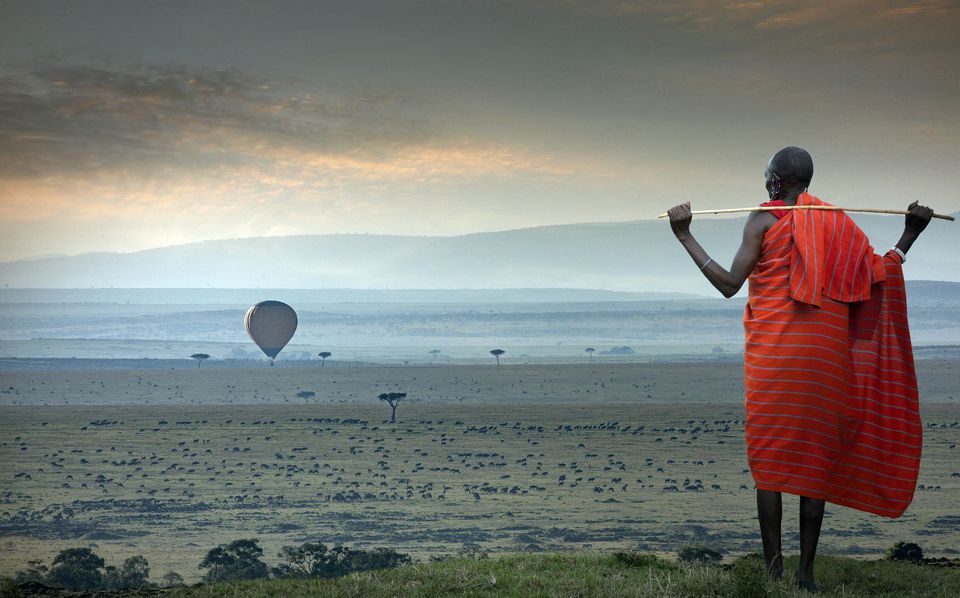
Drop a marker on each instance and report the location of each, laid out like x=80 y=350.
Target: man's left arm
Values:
x=917 y=219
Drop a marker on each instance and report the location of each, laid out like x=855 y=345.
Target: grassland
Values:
x=613 y=575
x=515 y=459
x=577 y=574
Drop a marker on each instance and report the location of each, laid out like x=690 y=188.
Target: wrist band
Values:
x=705 y=264
x=903 y=256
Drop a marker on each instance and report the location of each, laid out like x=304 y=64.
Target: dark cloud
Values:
x=73 y=118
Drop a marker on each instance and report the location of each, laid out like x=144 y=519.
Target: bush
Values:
x=904 y=551
x=749 y=575
x=698 y=554
x=378 y=558
x=235 y=561
x=637 y=559
x=472 y=550
x=172 y=579
x=76 y=569
x=314 y=559
x=134 y=573
x=83 y=569
x=36 y=572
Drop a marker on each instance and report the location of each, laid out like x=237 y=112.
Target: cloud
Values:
x=177 y=121
x=70 y=118
x=859 y=26
x=220 y=151
x=761 y=13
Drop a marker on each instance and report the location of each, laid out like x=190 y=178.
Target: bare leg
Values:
x=811 y=519
x=770 y=511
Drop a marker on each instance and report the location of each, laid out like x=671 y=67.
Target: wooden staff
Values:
x=831 y=208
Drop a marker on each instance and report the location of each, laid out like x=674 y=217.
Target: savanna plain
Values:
x=601 y=456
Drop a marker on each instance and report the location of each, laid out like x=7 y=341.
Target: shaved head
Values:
x=793 y=165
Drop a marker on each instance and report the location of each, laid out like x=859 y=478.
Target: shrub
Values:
x=698 y=554
x=378 y=558
x=314 y=559
x=235 y=561
x=172 y=579
x=904 y=551
x=749 y=575
x=472 y=550
x=76 y=569
x=36 y=572
x=83 y=569
x=311 y=559
x=134 y=573
x=637 y=559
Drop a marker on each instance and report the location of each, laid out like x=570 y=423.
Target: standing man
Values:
x=831 y=393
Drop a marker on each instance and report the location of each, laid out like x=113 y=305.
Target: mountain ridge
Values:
x=633 y=256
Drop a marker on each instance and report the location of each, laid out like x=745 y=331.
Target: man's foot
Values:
x=775 y=568
x=807 y=583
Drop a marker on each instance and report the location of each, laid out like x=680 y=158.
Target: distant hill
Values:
x=246 y=297
x=639 y=256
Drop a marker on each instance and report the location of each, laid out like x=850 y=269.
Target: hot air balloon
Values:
x=271 y=325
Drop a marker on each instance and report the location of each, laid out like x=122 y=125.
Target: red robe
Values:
x=831 y=393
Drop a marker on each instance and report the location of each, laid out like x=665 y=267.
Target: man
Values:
x=831 y=393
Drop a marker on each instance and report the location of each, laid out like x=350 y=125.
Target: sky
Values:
x=127 y=125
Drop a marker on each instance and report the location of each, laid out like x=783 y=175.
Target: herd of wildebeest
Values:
x=514 y=465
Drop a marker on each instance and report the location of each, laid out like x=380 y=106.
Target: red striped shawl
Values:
x=832 y=402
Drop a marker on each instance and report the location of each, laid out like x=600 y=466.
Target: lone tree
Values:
x=306 y=394
x=199 y=357
x=323 y=357
x=434 y=353
x=590 y=351
x=392 y=399
x=497 y=353
x=235 y=561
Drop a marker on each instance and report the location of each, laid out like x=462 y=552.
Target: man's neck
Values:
x=790 y=196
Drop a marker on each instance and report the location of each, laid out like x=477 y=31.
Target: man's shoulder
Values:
x=760 y=222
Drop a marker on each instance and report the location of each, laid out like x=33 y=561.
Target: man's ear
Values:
x=774 y=185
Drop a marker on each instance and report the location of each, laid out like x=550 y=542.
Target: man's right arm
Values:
x=728 y=282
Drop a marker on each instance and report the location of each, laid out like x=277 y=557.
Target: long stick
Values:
x=831 y=208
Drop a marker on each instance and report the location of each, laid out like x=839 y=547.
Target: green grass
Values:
x=592 y=574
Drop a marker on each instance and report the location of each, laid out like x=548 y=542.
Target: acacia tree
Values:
x=589 y=351
x=392 y=399
x=434 y=353
x=497 y=353
x=199 y=357
x=323 y=357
